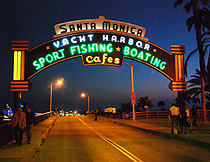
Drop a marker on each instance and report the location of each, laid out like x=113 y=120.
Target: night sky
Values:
x=107 y=86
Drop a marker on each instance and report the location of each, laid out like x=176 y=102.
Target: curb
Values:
x=188 y=140
x=38 y=143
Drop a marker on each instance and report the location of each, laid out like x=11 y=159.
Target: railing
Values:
x=165 y=114
x=150 y=114
x=6 y=134
x=40 y=117
x=200 y=113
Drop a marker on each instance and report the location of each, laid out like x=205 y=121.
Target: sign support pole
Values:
x=133 y=95
x=16 y=100
x=133 y=103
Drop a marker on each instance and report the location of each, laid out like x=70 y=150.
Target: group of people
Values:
x=23 y=122
x=180 y=118
x=109 y=112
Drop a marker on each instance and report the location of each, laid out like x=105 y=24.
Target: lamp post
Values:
x=133 y=95
x=83 y=95
x=58 y=82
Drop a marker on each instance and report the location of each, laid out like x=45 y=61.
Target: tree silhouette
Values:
x=144 y=101
x=126 y=107
x=161 y=104
x=194 y=90
x=197 y=21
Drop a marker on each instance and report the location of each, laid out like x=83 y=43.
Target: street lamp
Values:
x=133 y=94
x=58 y=82
x=83 y=95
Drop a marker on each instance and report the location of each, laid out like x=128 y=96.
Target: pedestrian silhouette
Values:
x=18 y=124
x=185 y=120
x=174 y=116
x=30 y=121
x=96 y=114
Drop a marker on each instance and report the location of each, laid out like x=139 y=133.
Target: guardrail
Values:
x=150 y=114
x=199 y=115
x=165 y=114
x=6 y=134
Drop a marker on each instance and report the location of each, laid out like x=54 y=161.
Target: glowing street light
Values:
x=84 y=95
x=58 y=82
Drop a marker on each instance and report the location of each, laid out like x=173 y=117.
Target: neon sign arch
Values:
x=97 y=42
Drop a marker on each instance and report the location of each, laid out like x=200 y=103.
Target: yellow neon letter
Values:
x=104 y=58
x=89 y=59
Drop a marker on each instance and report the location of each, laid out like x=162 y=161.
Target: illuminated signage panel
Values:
x=99 y=42
x=98 y=48
x=99 y=24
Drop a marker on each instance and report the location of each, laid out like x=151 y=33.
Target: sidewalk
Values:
x=26 y=151
x=200 y=135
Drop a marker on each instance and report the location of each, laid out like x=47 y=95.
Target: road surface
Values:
x=81 y=139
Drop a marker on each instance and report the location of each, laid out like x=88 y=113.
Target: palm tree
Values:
x=126 y=107
x=196 y=101
x=145 y=102
x=193 y=6
x=206 y=15
x=161 y=104
x=195 y=91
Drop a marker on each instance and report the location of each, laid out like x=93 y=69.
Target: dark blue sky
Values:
x=106 y=85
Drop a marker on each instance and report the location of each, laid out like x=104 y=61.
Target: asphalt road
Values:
x=81 y=139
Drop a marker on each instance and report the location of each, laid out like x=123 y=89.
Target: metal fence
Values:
x=165 y=114
x=150 y=114
x=200 y=113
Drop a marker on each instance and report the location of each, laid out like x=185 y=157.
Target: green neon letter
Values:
x=41 y=61
x=134 y=52
x=141 y=55
x=162 y=65
x=78 y=49
x=147 y=56
x=96 y=46
x=109 y=48
x=72 y=50
x=157 y=62
x=49 y=58
x=84 y=49
x=62 y=53
x=91 y=48
x=36 y=65
x=55 y=55
x=102 y=47
x=126 y=50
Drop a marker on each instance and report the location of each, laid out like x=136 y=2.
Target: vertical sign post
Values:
x=133 y=95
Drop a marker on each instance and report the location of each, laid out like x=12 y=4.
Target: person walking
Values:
x=30 y=120
x=18 y=124
x=185 y=120
x=174 y=116
x=96 y=114
x=188 y=120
